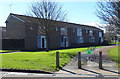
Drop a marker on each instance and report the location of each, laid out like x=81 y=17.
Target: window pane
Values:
x=79 y=32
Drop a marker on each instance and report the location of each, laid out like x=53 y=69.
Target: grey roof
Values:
x=29 y=18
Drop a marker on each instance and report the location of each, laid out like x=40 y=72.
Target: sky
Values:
x=79 y=11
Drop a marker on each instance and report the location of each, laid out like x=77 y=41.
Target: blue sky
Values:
x=80 y=12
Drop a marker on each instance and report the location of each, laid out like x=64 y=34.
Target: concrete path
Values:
x=90 y=67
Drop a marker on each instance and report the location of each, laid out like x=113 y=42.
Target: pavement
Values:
x=89 y=68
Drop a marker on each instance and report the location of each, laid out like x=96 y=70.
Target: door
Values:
x=41 y=42
x=64 y=42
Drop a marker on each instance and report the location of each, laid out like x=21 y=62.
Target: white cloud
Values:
x=97 y=24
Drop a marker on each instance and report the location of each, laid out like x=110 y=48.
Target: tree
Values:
x=109 y=12
x=47 y=13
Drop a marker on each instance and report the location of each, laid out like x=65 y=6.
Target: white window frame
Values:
x=79 y=32
x=80 y=39
x=90 y=32
x=65 y=30
x=56 y=28
x=40 y=41
x=91 y=39
x=86 y=30
x=62 y=41
x=101 y=39
x=100 y=34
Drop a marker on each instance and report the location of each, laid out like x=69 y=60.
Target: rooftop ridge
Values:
x=56 y=21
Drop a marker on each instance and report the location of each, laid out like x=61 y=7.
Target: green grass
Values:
x=115 y=43
x=114 y=54
x=38 y=60
x=118 y=43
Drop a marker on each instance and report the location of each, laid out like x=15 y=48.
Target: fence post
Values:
x=100 y=60
x=79 y=60
x=57 y=60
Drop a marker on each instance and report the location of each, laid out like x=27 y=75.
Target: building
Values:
x=113 y=33
x=2 y=32
x=69 y=35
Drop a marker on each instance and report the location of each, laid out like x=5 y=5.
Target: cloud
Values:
x=98 y=25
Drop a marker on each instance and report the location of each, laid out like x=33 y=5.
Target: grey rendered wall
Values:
x=85 y=35
x=31 y=37
x=72 y=37
x=54 y=39
x=96 y=34
x=15 y=29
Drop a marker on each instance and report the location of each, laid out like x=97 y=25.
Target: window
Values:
x=87 y=31
x=73 y=29
x=80 y=39
x=64 y=41
x=56 y=28
x=100 y=34
x=101 y=39
x=91 y=33
x=79 y=32
x=91 y=39
x=63 y=31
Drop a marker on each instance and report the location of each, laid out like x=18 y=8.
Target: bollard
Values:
x=57 y=60
x=100 y=60
x=79 y=60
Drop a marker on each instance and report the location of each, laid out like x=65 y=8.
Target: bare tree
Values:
x=47 y=13
x=109 y=12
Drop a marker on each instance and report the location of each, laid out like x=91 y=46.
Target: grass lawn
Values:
x=38 y=60
x=114 y=53
x=115 y=43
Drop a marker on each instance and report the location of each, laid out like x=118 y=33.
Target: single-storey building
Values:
x=69 y=35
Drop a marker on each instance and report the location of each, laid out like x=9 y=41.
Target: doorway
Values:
x=64 y=42
x=41 y=42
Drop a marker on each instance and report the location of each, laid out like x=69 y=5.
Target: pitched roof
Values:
x=29 y=18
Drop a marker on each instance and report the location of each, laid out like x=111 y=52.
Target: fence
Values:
x=12 y=43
